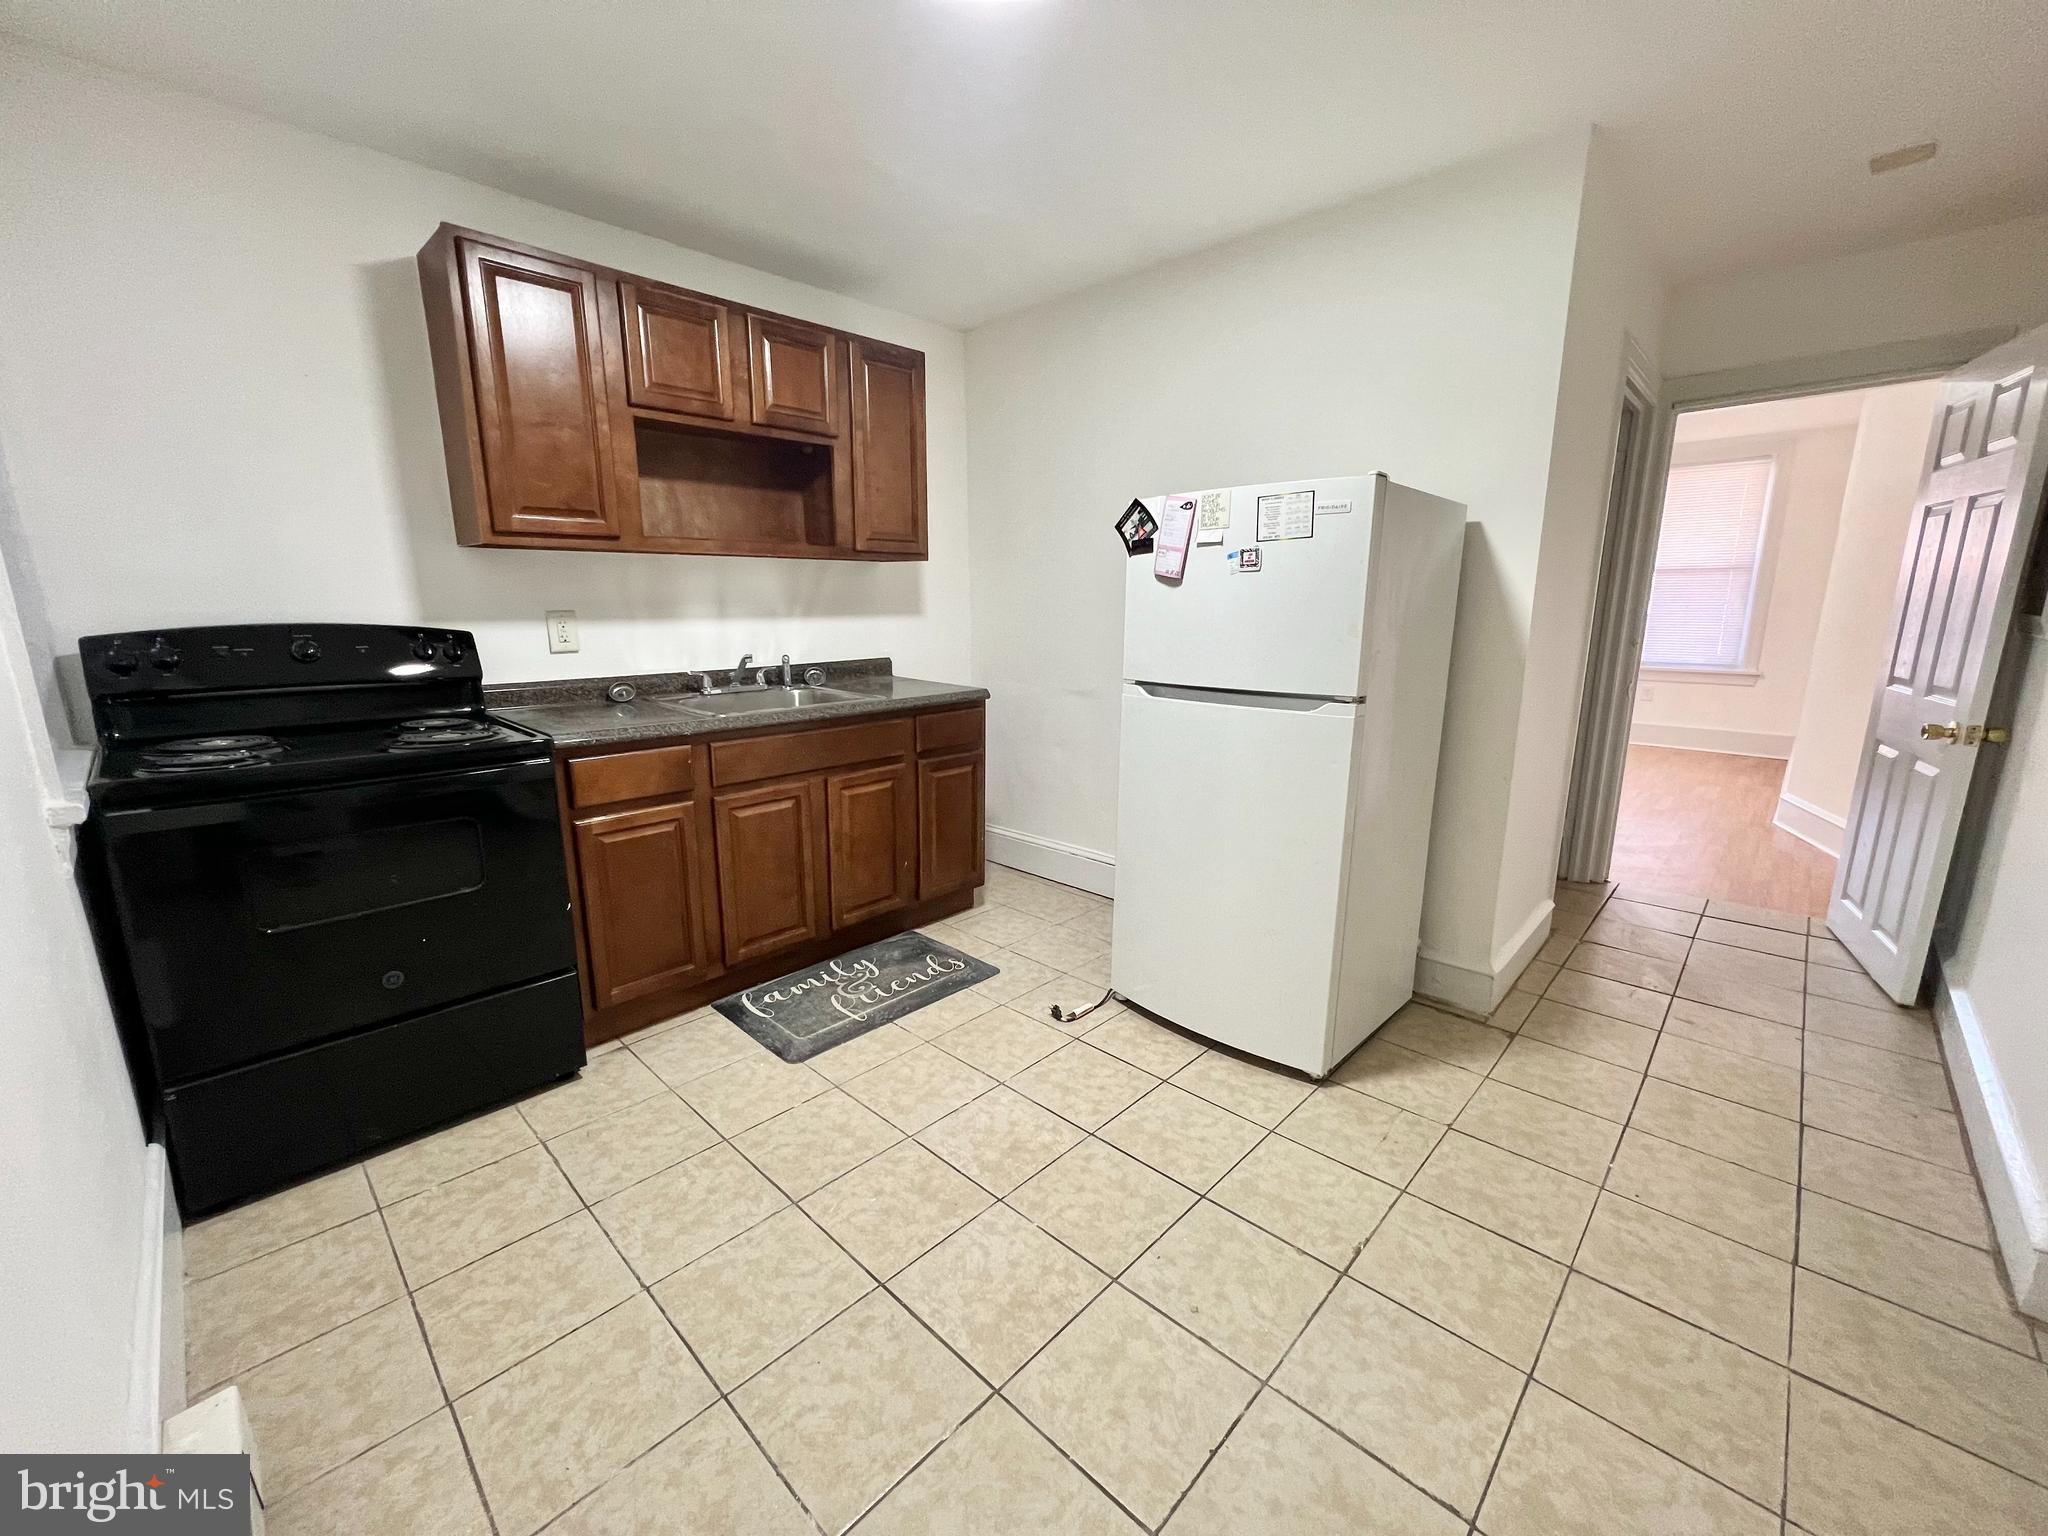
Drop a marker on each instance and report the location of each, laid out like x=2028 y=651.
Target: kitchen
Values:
x=776 y=596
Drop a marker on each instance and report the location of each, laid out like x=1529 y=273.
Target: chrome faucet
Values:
x=788 y=680
x=739 y=680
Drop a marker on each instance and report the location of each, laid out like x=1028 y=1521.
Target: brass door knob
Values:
x=1969 y=736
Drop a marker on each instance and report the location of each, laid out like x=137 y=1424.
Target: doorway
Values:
x=1763 y=596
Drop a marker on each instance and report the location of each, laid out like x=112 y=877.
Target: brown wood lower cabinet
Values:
x=705 y=867
x=771 y=867
x=646 y=900
x=949 y=824
x=871 y=822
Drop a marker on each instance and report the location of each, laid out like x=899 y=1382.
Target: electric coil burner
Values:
x=328 y=891
x=440 y=731
x=194 y=753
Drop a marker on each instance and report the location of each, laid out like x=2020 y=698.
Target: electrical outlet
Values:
x=1645 y=694
x=562 y=630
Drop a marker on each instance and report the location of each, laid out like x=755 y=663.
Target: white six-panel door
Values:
x=1979 y=498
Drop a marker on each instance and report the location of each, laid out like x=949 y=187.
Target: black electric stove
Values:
x=329 y=893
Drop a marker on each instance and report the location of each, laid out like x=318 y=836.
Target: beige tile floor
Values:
x=1684 y=1239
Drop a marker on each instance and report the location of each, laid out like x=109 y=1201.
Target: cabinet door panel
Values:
x=871 y=815
x=537 y=357
x=792 y=375
x=771 y=866
x=888 y=449
x=949 y=818
x=645 y=897
x=678 y=352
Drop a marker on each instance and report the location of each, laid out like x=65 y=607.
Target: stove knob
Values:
x=122 y=662
x=423 y=647
x=164 y=656
x=454 y=649
x=305 y=648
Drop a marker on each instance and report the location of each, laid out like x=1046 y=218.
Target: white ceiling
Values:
x=961 y=159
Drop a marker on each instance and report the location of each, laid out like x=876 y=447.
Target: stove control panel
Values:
x=243 y=656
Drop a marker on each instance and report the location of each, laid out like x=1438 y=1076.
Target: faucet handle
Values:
x=746 y=661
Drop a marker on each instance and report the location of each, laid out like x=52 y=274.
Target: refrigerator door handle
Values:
x=1243 y=699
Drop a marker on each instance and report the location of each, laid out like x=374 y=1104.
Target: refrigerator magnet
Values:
x=1246 y=559
x=1287 y=515
x=1176 y=529
x=1213 y=518
x=1136 y=528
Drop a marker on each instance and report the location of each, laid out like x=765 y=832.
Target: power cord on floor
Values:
x=1062 y=1016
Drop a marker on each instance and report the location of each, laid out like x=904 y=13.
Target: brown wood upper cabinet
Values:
x=587 y=408
x=793 y=376
x=678 y=351
x=888 y=448
x=543 y=426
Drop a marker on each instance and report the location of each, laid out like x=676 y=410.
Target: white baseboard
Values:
x=1477 y=990
x=1809 y=823
x=1088 y=869
x=1707 y=738
x=156 y=1360
x=2012 y=1185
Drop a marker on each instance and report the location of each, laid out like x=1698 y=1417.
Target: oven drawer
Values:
x=257 y=1128
x=271 y=923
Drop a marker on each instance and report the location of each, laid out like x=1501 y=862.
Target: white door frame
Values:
x=1620 y=605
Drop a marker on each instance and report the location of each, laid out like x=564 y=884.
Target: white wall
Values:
x=216 y=398
x=1421 y=332
x=1813 y=440
x=1978 y=278
x=74 y=1186
x=1991 y=969
x=1615 y=313
x=1849 y=638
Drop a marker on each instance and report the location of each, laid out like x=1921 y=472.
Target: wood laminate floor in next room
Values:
x=1701 y=822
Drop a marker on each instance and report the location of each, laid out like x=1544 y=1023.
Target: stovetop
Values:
x=223 y=712
x=230 y=764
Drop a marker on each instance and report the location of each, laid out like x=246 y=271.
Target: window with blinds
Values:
x=1704 y=591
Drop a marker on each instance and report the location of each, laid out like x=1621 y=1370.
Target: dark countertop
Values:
x=576 y=713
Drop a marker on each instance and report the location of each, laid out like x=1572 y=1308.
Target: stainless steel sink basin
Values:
x=757 y=700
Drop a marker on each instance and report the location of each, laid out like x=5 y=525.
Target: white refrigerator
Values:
x=1283 y=705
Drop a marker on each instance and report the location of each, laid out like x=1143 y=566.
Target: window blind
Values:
x=1705 y=583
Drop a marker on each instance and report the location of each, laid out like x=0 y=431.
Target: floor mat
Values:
x=804 y=1012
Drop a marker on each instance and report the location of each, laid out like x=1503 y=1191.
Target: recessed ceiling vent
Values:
x=1898 y=159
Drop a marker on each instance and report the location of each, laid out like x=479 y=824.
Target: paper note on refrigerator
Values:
x=1212 y=520
x=1289 y=515
x=1176 y=529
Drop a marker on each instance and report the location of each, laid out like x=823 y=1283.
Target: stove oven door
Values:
x=277 y=921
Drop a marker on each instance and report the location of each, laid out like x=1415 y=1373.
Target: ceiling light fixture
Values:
x=1897 y=159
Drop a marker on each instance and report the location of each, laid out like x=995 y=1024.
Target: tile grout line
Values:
x=646 y=1288
x=440 y=1380
x=1084 y=1134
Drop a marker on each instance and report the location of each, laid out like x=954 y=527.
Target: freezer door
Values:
x=1232 y=820
x=1293 y=626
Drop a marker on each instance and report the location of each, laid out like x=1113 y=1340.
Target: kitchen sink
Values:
x=755 y=701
